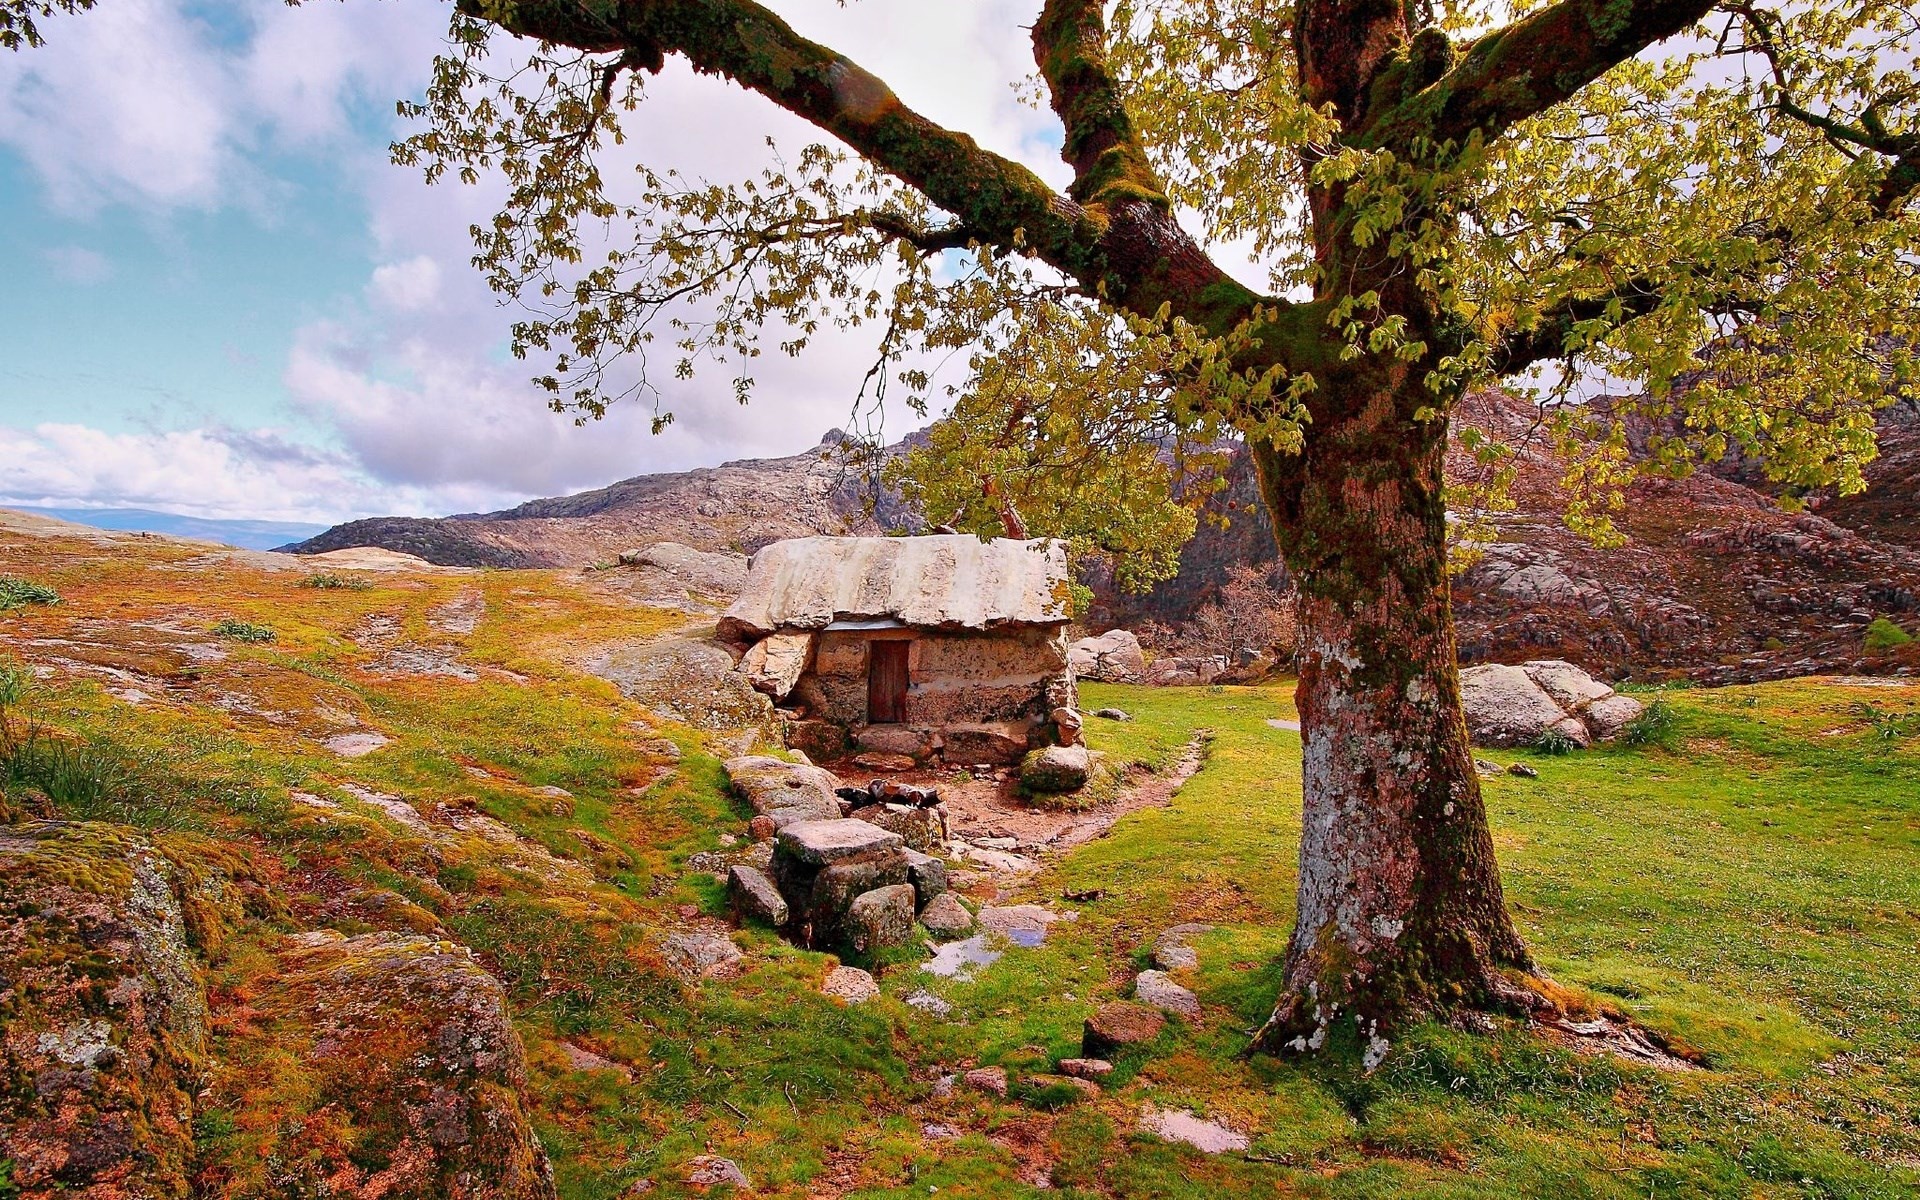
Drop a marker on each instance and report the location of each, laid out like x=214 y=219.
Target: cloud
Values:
x=402 y=398
x=77 y=264
x=406 y=286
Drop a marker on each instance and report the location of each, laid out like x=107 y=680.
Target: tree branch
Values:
x=1526 y=68
x=1637 y=296
x=1125 y=247
x=1000 y=201
x=1109 y=164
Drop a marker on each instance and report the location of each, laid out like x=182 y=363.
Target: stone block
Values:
x=881 y=917
x=755 y=898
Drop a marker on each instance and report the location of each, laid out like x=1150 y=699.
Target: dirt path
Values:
x=991 y=808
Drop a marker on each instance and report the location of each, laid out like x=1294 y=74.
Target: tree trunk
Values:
x=1400 y=908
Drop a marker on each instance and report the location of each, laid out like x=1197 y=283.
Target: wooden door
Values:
x=886 y=682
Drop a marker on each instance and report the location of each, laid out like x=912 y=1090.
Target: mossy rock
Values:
x=381 y=1063
x=103 y=1015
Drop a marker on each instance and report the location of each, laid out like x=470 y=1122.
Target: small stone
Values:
x=945 y=916
x=1112 y=714
x=1523 y=771
x=988 y=1079
x=755 y=897
x=700 y=954
x=822 y=842
x=943 y=1086
x=940 y=1133
x=880 y=760
x=881 y=917
x=929 y=1003
x=1118 y=1024
x=1069 y=723
x=1158 y=989
x=849 y=985
x=1086 y=1068
x=761 y=828
x=1082 y=1086
x=1056 y=769
x=708 y=1170
x=1171 y=951
x=921 y=828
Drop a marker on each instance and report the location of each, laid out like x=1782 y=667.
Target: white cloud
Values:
x=124 y=103
x=406 y=286
x=406 y=380
x=77 y=264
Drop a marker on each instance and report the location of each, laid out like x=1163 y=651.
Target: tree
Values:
x=1707 y=200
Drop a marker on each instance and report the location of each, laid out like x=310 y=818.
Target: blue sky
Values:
x=223 y=301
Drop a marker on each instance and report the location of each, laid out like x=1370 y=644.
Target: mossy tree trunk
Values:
x=1400 y=904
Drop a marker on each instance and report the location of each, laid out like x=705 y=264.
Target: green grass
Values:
x=1883 y=635
x=1741 y=878
x=16 y=592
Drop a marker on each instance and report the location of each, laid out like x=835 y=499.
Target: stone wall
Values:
x=1008 y=678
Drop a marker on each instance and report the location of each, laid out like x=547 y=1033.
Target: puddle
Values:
x=1178 y=1125
x=958 y=960
x=1028 y=938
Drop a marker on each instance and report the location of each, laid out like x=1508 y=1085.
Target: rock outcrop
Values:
x=1113 y=657
x=398 y=1076
x=1519 y=705
x=105 y=1016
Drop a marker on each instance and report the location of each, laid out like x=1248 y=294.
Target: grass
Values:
x=1883 y=635
x=16 y=592
x=1739 y=876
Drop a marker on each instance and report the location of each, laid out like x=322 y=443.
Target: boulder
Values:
x=700 y=954
x=946 y=917
x=992 y=1080
x=920 y=828
x=1190 y=671
x=820 y=741
x=1514 y=706
x=836 y=887
x=1609 y=716
x=714 y=574
x=849 y=985
x=1113 y=657
x=821 y=843
x=1086 y=1068
x=1067 y=724
x=1173 y=951
x=401 y=1075
x=104 y=1014
x=754 y=896
x=1056 y=769
x=1158 y=989
x=774 y=664
x=1112 y=714
x=928 y=875
x=1505 y=707
x=785 y=791
x=710 y=1171
x=1570 y=687
x=1118 y=1024
x=996 y=744
x=881 y=917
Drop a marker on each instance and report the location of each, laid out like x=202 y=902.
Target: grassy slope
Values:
x=1754 y=896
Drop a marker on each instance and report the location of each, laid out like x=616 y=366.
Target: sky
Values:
x=222 y=300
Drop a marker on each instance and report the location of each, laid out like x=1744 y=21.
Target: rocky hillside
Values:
x=738 y=506
x=1716 y=581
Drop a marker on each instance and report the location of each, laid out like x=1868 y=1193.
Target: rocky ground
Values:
x=350 y=876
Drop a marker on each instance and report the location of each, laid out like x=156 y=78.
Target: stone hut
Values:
x=943 y=648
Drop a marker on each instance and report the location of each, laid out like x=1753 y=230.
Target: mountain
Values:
x=738 y=506
x=247 y=535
